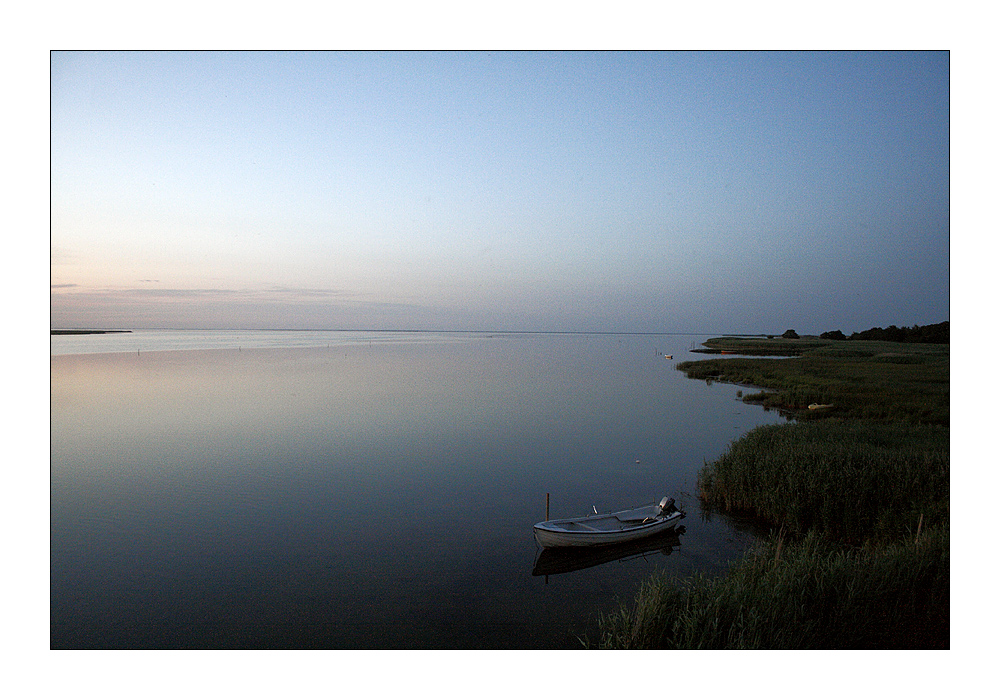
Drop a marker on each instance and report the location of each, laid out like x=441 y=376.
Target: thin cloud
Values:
x=285 y=297
x=275 y=293
x=280 y=307
x=313 y=293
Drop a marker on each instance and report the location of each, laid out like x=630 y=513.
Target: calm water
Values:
x=349 y=490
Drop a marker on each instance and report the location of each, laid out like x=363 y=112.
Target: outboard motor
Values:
x=667 y=506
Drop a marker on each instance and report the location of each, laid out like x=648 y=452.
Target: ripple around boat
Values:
x=563 y=560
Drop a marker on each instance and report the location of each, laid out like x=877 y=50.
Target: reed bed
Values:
x=809 y=594
x=849 y=480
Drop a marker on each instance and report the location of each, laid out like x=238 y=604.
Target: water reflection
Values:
x=562 y=560
x=363 y=496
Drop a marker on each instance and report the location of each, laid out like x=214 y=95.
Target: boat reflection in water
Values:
x=562 y=560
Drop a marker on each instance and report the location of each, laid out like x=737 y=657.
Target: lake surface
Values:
x=366 y=490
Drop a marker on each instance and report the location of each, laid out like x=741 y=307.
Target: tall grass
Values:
x=849 y=480
x=799 y=595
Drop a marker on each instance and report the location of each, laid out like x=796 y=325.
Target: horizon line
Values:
x=402 y=330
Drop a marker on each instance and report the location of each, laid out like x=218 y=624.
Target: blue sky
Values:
x=590 y=191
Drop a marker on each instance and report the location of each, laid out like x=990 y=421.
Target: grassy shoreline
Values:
x=857 y=494
x=867 y=380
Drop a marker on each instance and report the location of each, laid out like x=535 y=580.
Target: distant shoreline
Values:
x=79 y=332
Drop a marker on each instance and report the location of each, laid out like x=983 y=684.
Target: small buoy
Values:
x=636 y=461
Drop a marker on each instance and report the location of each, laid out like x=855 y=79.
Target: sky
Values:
x=690 y=192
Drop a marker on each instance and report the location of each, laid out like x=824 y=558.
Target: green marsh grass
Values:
x=809 y=594
x=869 y=380
x=849 y=480
x=757 y=345
x=859 y=493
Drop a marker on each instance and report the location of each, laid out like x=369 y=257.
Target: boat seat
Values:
x=634 y=517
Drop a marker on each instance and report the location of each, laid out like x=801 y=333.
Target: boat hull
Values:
x=561 y=560
x=602 y=530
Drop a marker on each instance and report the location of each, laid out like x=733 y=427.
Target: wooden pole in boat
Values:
x=546 y=518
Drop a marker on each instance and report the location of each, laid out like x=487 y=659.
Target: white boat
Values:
x=608 y=528
x=561 y=560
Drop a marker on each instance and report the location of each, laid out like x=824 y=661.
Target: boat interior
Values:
x=610 y=521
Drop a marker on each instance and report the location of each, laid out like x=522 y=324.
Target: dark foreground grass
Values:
x=805 y=595
x=859 y=493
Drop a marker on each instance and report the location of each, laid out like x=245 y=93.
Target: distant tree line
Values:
x=935 y=333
